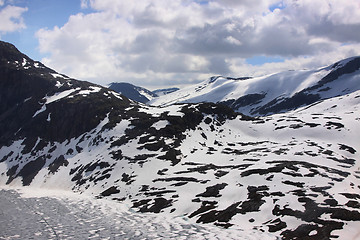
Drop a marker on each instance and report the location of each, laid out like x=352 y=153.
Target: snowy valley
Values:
x=284 y=164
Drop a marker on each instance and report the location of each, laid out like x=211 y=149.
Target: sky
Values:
x=163 y=43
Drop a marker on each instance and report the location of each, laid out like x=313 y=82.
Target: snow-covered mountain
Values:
x=165 y=91
x=274 y=93
x=294 y=175
x=133 y=92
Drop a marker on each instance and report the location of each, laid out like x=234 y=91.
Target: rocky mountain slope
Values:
x=274 y=93
x=139 y=94
x=133 y=92
x=294 y=175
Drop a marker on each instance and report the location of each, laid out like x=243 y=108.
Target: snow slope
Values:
x=266 y=174
x=273 y=93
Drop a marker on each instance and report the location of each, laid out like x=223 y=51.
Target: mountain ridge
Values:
x=132 y=92
x=275 y=93
x=137 y=93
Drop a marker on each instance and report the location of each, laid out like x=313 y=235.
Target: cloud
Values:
x=335 y=20
x=84 y=4
x=241 y=68
x=11 y=18
x=161 y=42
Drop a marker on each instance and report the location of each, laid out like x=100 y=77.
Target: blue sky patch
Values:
x=278 y=5
x=260 y=60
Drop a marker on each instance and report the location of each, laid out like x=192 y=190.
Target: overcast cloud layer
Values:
x=156 y=43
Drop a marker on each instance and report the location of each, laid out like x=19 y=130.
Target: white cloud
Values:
x=11 y=18
x=84 y=4
x=240 y=66
x=161 y=42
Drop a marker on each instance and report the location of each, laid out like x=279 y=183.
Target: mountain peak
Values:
x=11 y=56
x=8 y=49
x=9 y=53
x=133 y=92
x=30 y=93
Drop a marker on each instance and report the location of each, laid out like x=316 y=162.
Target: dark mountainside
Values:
x=132 y=92
x=295 y=175
x=137 y=93
x=24 y=84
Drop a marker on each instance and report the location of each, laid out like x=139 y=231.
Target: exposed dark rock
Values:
x=162 y=171
x=171 y=155
x=11 y=173
x=276 y=225
x=279 y=104
x=296 y=184
x=353 y=204
x=247 y=100
x=254 y=202
x=178 y=179
x=127 y=178
x=31 y=169
x=58 y=162
x=351 y=195
x=337 y=125
x=110 y=191
x=6 y=156
x=350 y=67
x=347 y=148
x=221 y=173
x=331 y=202
x=220 y=216
x=213 y=191
x=280 y=165
x=156 y=207
x=159 y=193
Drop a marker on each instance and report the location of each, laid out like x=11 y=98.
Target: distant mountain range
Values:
x=275 y=93
x=290 y=175
x=137 y=93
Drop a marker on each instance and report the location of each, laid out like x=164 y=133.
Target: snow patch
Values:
x=60 y=95
x=27 y=99
x=42 y=109
x=59 y=84
x=173 y=110
x=57 y=75
x=89 y=91
x=24 y=62
x=117 y=95
x=37 y=65
x=160 y=124
x=145 y=94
